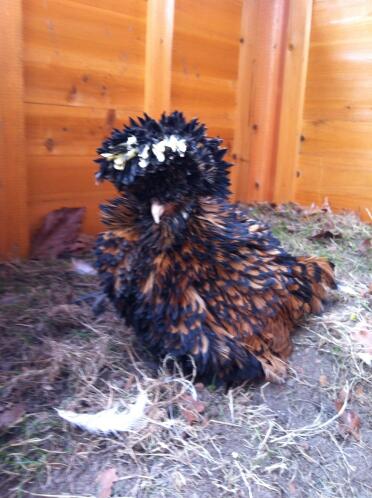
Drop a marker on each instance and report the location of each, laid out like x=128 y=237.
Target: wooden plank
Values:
x=66 y=30
x=135 y=8
x=333 y=179
x=159 y=38
x=209 y=19
x=242 y=134
x=335 y=156
x=258 y=91
x=66 y=175
x=14 y=225
x=64 y=63
x=197 y=54
x=345 y=12
x=297 y=41
x=70 y=131
x=205 y=63
x=204 y=96
x=97 y=86
x=336 y=137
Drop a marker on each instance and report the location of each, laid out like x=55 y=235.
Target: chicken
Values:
x=191 y=273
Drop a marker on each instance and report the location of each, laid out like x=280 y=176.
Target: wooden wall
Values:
x=205 y=63
x=73 y=69
x=336 y=150
x=83 y=73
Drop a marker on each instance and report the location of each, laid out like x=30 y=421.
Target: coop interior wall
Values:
x=295 y=131
x=336 y=149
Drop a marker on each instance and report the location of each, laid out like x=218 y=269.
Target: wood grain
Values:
x=14 y=220
x=84 y=66
x=258 y=97
x=335 y=156
x=205 y=63
x=70 y=130
x=79 y=55
x=295 y=63
x=159 y=41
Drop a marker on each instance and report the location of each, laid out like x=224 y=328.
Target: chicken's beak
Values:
x=157 y=211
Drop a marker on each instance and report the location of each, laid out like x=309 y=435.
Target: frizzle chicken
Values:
x=192 y=274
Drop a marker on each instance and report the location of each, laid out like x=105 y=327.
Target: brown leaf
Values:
x=362 y=337
x=339 y=402
x=323 y=380
x=350 y=423
x=191 y=408
x=12 y=415
x=105 y=482
x=62 y=310
x=326 y=207
x=292 y=488
x=365 y=246
x=359 y=391
x=84 y=243
x=325 y=234
x=58 y=232
x=312 y=210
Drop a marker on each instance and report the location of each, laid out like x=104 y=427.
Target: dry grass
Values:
x=254 y=441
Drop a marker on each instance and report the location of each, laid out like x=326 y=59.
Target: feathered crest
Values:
x=146 y=147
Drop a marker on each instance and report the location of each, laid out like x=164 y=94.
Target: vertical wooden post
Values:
x=258 y=92
x=159 y=41
x=14 y=227
x=297 y=43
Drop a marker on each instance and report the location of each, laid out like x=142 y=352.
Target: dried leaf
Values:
x=359 y=391
x=286 y=207
x=326 y=207
x=312 y=210
x=82 y=267
x=191 y=408
x=64 y=313
x=292 y=488
x=58 y=232
x=323 y=380
x=12 y=415
x=370 y=288
x=339 y=402
x=362 y=337
x=105 y=482
x=84 y=243
x=350 y=423
x=326 y=234
x=199 y=386
x=365 y=246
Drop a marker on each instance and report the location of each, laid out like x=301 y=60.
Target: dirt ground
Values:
x=310 y=437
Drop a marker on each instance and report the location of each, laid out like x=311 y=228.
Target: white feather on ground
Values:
x=82 y=267
x=111 y=420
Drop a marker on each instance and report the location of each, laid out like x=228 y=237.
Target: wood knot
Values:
x=49 y=144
